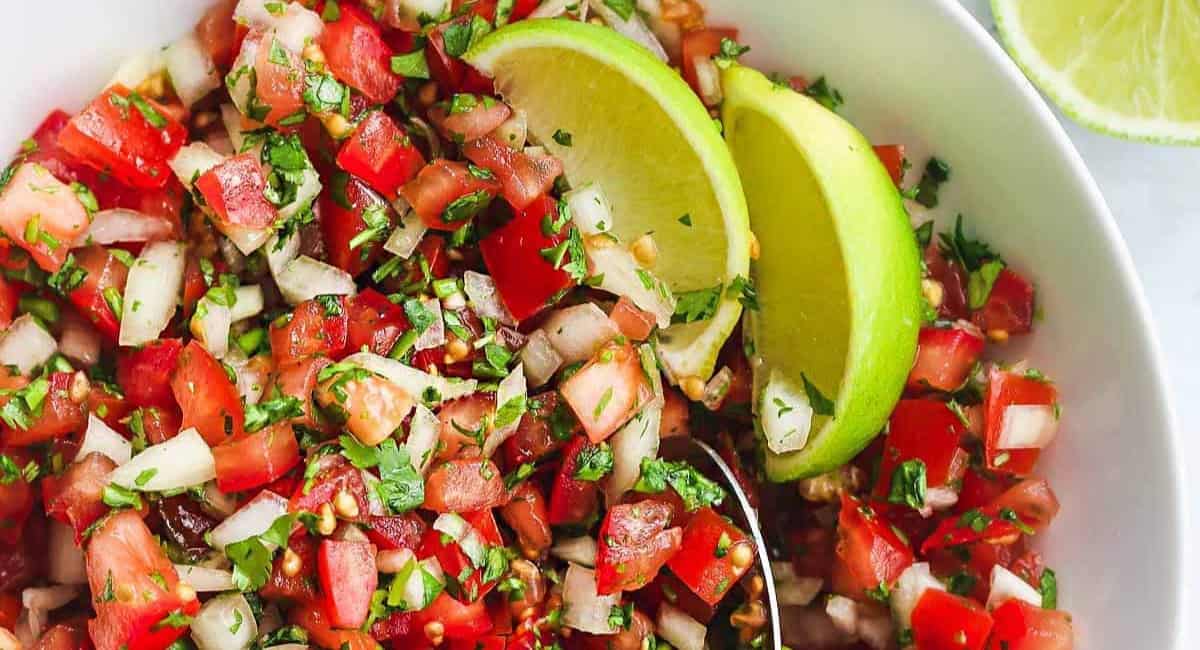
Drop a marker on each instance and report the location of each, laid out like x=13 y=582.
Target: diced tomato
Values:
x=74 y=497
x=374 y=322
x=543 y=429
x=1021 y=626
x=464 y=423
x=65 y=636
x=462 y=622
x=313 y=618
x=514 y=254
x=23 y=563
x=456 y=563
x=573 y=501
x=311 y=329
x=449 y=72
x=299 y=379
x=135 y=587
x=8 y=302
x=675 y=414
x=159 y=424
x=523 y=177
x=944 y=621
x=16 y=501
x=216 y=32
x=126 y=135
x=300 y=586
x=256 y=459
x=869 y=552
x=104 y=271
x=234 y=188
x=144 y=373
x=944 y=357
x=701 y=565
x=1031 y=499
x=952 y=277
x=349 y=245
x=53 y=157
x=635 y=543
x=980 y=488
x=1009 y=307
x=41 y=214
x=701 y=44
x=279 y=73
x=925 y=430
x=1007 y=389
x=380 y=153
x=491 y=642
x=370 y=407
x=892 y=157
x=348 y=578
x=10 y=609
x=464 y=485
x=208 y=399
x=60 y=416
x=447 y=195
x=608 y=391
x=466 y=118
x=337 y=477
x=527 y=515
x=666 y=587
x=983 y=524
x=397 y=531
x=357 y=54
x=633 y=323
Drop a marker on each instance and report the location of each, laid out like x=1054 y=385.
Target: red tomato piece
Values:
x=397 y=531
x=446 y=70
x=455 y=562
x=144 y=374
x=311 y=329
x=633 y=323
x=925 y=430
x=953 y=280
x=675 y=414
x=1007 y=389
x=16 y=501
x=159 y=424
x=64 y=636
x=1021 y=626
x=256 y=459
x=41 y=214
x=104 y=271
x=299 y=379
x=313 y=617
x=527 y=515
x=234 y=190
x=701 y=44
x=371 y=407
x=944 y=357
x=126 y=135
x=634 y=544
x=607 y=391
x=10 y=609
x=279 y=73
x=216 y=31
x=461 y=622
x=380 y=153
x=338 y=476
x=490 y=642
x=349 y=246
x=461 y=422
x=573 y=501
x=869 y=551
x=535 y=437
x=701 y=565
x=980 y=488
x=357 y=54
x=944 y=621
x=464 y=485
x=465 y=118
x=1009 y=307
x=892 y=157
x=208 y=399
x=60 y=416
x=348 y=578
x=300 y=586
x=374 y=321
x=1033 y=500
x=983 y=524
x=446 y=194
x=74 y=497
x=526 y=280
x=523 y=177
x=8 y=302
x=135 y=587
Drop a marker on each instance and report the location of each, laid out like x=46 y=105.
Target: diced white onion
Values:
x=99 y=437
x=576 y=332
x=539 y=358
x=210 y=325
x=785 y=414
x=716 y=389
x=1027 y=426
x=584 y=609
x=435 y=334
x=638 y=439
x=251 y=377
x=513 y=131
x=1006 y=586
x=485 y=299
x=204 y=579
x=246 y=240
x=305 y=278
x=295 y=27
x=680 y=630
x=413 y=381
x=79 y=341
x=621 y=275
x=422 y=437
x=280 y=255
x=668 y=32
x=577 y=550
x=48 y=599
x=791 y=589
x=67 y=565
x=220 y=143
x=151 y=292
x=633 y=28
x=250 y=520
x=308 y=190
x=375 y=506
x=221 y=503
x=407 y=14
x=249 y=302
x=876 y=629
x=225 y=622
x=230 y=252
x=242 y=89
x=590 y=209
x=404 y=239
x=554 y=8
x=909 y=588
x=415 y=575
x=844 y=614
x=232 y=119
x=452 y=524
x=511 y=390
x=181 y=462
x=708 y=80
x=192 y=161
x=938 y=498
x=123 y=225
x=192 y=71
x=137 y=68
x=26 y=345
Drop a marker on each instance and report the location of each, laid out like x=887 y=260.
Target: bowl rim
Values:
x=1101 y=218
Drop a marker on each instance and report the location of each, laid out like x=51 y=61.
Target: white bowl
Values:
x=922 y=73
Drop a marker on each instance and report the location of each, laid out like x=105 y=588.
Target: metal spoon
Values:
x=705 y=459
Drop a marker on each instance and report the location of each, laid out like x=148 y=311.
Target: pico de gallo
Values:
x=308 y=345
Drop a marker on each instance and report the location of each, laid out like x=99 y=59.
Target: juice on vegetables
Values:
x=308 y=343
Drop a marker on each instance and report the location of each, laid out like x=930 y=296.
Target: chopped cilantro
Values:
x=820 y=404
x=693 y=487
x=697 y=305
x=824 y=94
x=593 y=462
x=936 y=172
x=909 y=484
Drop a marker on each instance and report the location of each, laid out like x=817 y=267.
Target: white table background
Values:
x=1154 y=193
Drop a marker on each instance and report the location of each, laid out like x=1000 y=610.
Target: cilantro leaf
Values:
x=824 y=94
x=820 y=404
x=400 y=486
x=697 y=305
x=936 y=172
x=693 y=487
x=276 y=409
x=623 y=8
x=909 y=484
x=593 y=462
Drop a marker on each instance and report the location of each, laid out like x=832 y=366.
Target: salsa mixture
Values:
x=307 y=344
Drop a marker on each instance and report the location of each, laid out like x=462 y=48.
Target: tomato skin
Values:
x=217 y=33
x=123 y=551
x=144 y=374
x=299 y=379
x=461 y=621
x=35 y=200
x=357 y=55
x=535 y=438
x=953 y=280
x=527 y=515
x=374 y=322
x=527 y=281
x=440 y=183
x=954 y=531
x=65 y=636
x=311 y=330
x=633 y=323
x=8 y=302
x=892 y=157
x=348 y=578
x=1007 y=389
x=160 y=424
x=463 y=414
x=471 y=124
x=208 y=399
x=607 y=391
x=1009 y=307
x=464 y=485
x=113 y=136
x=313 y=617
x=338 y=476
x=16 y=503
x=373 y=407
x=523 y=178
x=341 y=224
x=381 y=154
x=697 y=565
x=60 y=416
x=634 y=544
x=257 y=458
x=944 y=358
x=279 y=85
x=944 y=621
x=455 y=562
x=104 y=270
x=74 y=497
x=924 y=430
x=301 y=586
x=1021 y=626
x=234 y=188
x=397 y=531
x=573 y=501
x=701 y=43
x=868 y=550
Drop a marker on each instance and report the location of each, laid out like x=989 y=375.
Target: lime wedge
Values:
x=640 y=133
x=838 y=275
x=1130 y=69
